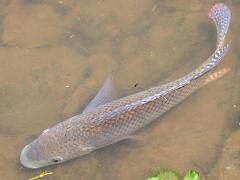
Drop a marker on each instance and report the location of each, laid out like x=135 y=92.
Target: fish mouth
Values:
x=25 y=161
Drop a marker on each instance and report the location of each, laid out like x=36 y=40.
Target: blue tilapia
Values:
x=105 y=123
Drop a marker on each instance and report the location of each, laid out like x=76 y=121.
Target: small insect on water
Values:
x=135 y=85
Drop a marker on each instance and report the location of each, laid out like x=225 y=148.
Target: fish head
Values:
x=48 y=149
x=44 y=151
x=53 y=146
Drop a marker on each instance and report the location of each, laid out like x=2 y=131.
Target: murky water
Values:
x=55 y=55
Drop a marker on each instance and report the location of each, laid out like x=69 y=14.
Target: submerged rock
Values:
x=227 y=166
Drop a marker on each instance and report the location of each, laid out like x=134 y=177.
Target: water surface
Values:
x=55 y=55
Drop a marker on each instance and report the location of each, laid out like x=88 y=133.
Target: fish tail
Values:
x=209 y=64
x=213 y=61
x=221 y=15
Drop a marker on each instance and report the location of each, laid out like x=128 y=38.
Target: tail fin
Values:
x=211 y=62
x=221 y=15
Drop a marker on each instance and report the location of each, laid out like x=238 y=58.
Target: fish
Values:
x=106 y=121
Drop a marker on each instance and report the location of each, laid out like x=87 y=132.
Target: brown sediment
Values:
x=166 y=36
x=227 y=166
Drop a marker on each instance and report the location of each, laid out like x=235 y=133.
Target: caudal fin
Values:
x=221 y=15
x=213 y=61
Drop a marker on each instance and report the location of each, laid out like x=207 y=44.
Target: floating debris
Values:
x=43 y=174
x=165 y=175
x=192 y=175
x=171 y=175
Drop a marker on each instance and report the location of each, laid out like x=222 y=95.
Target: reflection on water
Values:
x=56 y=54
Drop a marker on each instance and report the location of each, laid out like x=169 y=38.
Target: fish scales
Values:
x=120 y=125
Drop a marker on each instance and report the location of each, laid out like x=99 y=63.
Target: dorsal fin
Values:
x=106 y=94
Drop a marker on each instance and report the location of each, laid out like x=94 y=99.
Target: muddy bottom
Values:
x=55 y=55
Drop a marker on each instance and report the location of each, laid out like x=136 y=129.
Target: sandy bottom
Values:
x=55 y=55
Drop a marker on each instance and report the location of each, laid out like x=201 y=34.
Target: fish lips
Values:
x=29 y=162
x=25 y=161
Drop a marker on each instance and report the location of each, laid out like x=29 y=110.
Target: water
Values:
x=55 y=55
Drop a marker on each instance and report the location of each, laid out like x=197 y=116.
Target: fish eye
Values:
x=57 y=159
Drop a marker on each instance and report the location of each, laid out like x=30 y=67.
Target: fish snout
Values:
x=24 y=159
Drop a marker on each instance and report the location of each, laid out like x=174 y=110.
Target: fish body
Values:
x=113 y=121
